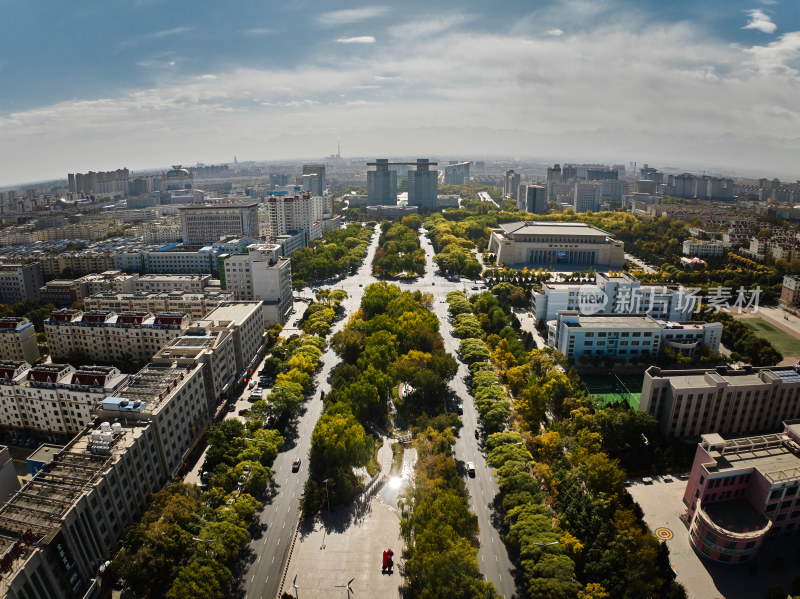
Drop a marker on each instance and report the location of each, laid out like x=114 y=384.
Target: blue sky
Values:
x=95 y=85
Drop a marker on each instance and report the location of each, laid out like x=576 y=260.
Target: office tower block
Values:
x=423 y=185
x=381 y=184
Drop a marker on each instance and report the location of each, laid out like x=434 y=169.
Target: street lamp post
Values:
x=327 y=497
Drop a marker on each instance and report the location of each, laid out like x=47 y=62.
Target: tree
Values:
x=338 y=440
x=473 y=350
x=202 y=578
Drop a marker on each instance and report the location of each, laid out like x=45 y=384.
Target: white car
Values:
x=471 y=469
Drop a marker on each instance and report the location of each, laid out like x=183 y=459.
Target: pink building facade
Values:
x=742 y=490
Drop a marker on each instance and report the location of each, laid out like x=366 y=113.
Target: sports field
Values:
x=614 y=388
x=783 y=341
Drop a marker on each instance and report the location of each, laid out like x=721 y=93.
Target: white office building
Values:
x=587 y=196
x=205 y=223
x=261 y=274
x=627 y=336
x=616 y=293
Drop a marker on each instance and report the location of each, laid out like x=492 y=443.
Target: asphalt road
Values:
x=262 y=578
x=493 y=558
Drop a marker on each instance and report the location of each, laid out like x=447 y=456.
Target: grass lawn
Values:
x=615 y=388
x=783 y=341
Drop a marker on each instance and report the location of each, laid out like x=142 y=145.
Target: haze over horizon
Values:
x=140 y=83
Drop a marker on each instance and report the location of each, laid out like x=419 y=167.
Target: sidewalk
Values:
x=348 y=544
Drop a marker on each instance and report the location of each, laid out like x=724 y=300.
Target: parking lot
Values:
x=662 y=503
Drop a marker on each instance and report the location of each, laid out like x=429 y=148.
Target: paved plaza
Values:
x=662 y=503
x=348 y=544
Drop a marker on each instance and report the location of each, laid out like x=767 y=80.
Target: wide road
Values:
x=493 y=557
x=262 y=577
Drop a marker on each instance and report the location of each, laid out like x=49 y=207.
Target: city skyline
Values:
x=148 y=82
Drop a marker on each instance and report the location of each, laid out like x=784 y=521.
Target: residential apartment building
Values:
x=105 y=336
x=542 y=243
x=196 y=305
x=316 y=178
x=54 y=401
x=688 y=403
x=246 y=321
x=103 y=183
x=790 y=292
x=511 y=181
x=65 y=522
x=79 y=264
x=213 y=350
x=742 y=490
x=205 y=223
x=65 y=292
x=261 y=274
x=158 y=283
x=294 y=213
x=705 y=249
x=9 y=483
x=18 y=340
x=19 y=282
x=171 y=394
x=161 y=232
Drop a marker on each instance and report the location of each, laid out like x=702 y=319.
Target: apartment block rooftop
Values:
x=33 y=516
x=149 y=389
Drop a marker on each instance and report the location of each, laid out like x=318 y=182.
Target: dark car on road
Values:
x=296 y=465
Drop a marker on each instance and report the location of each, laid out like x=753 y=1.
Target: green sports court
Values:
x=613 y=388
x=780 y=339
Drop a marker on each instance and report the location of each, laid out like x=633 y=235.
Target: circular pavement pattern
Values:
x=663 y=533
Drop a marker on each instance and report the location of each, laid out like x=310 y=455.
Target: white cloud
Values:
x=259 y=31
x=556 y=32
x=346 y=17
x=171 y=32
x=363 y=39
x=777 y=56
x=432 y=25
x=618 y=91
x=760 y=20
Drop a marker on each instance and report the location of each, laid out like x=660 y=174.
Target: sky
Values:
x=104 y=84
